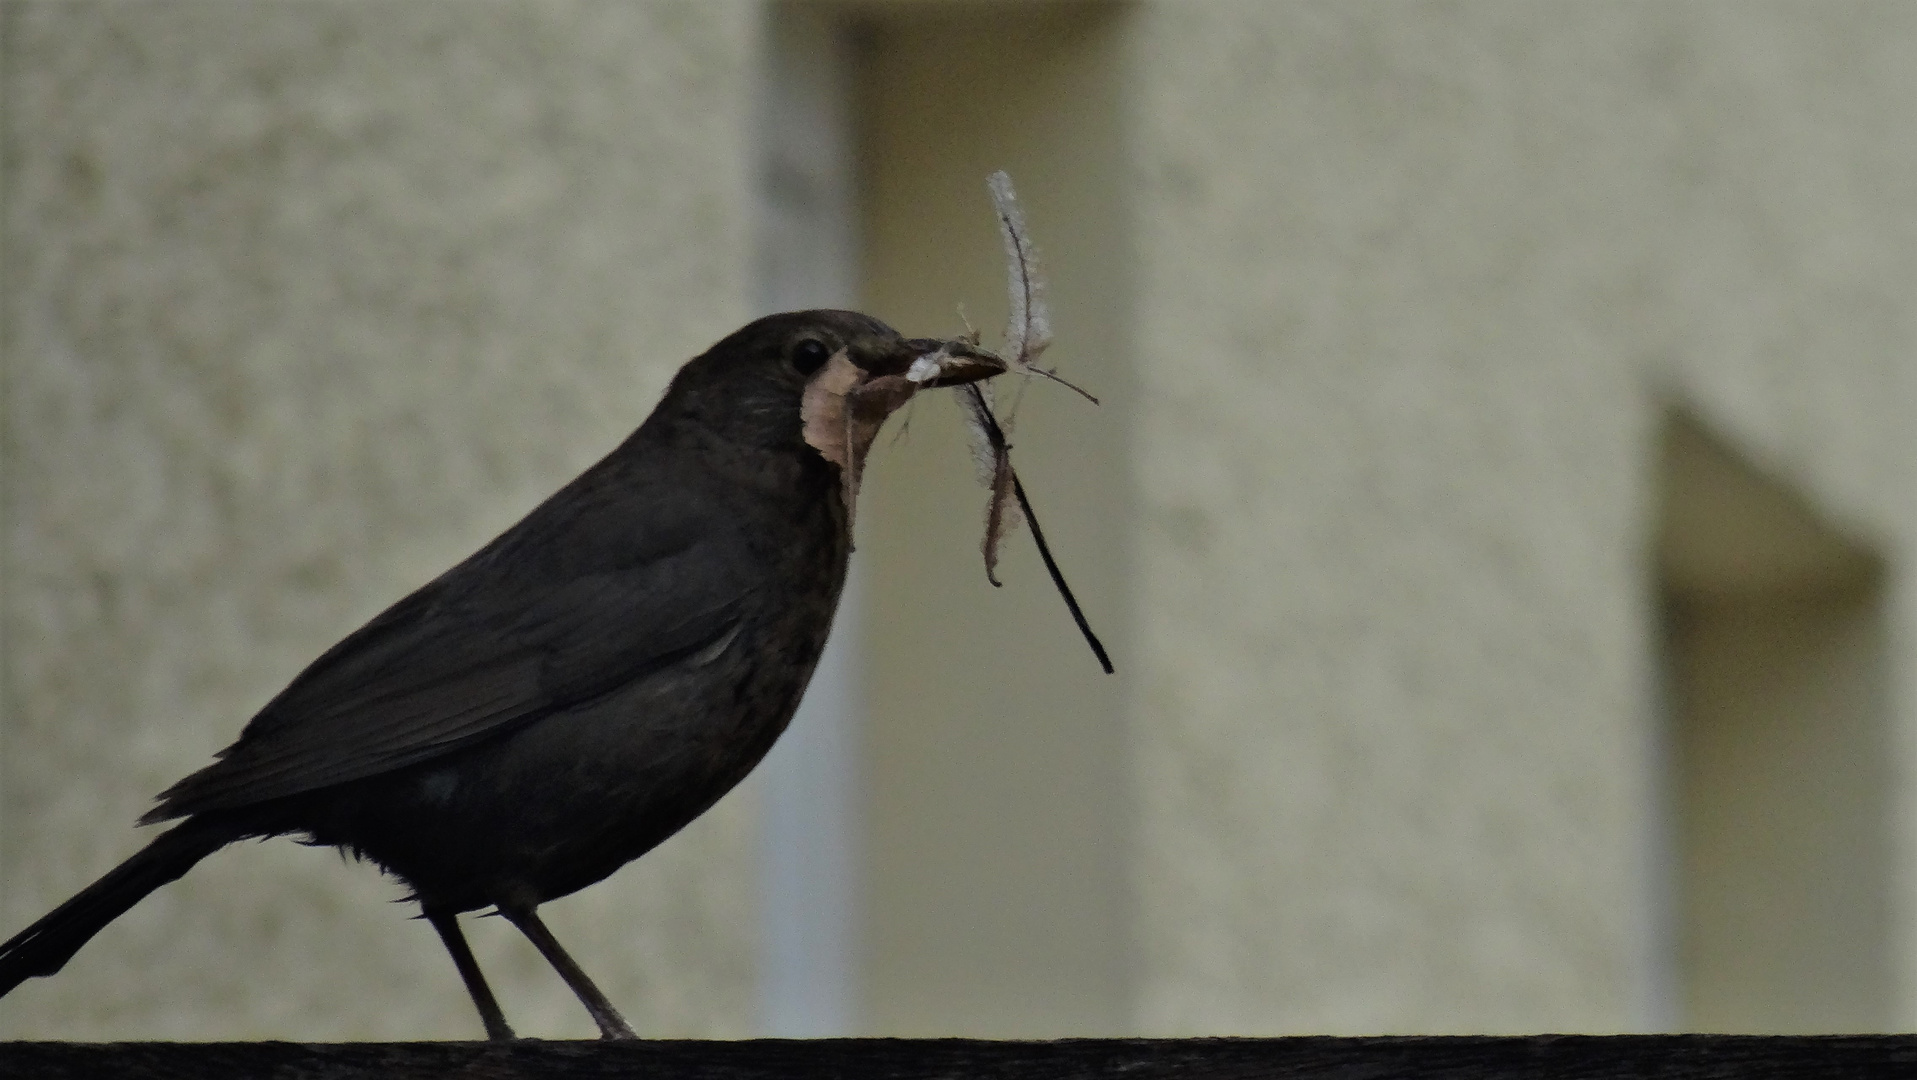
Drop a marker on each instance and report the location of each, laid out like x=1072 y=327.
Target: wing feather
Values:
x=469 y=657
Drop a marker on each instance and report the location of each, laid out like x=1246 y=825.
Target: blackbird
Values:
x=583 y=686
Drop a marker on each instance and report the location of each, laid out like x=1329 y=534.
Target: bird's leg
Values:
x=611 y=1024
x=447 y=923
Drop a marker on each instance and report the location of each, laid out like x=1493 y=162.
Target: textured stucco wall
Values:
x=304 y=302
x=1414 y=285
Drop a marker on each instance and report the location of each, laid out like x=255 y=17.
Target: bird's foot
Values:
x=614 y=1027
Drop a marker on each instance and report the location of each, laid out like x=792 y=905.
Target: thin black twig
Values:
x=1052 y=374
x=981 y=410
x=1058 y=578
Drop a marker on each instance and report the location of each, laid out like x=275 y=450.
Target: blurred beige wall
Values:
x=304 y=302
x=1414 y=285
x=1391 y=304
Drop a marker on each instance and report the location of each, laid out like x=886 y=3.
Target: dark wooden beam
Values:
x=1677 y=1057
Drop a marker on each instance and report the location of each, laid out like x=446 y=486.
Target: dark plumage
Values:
x=576 y=691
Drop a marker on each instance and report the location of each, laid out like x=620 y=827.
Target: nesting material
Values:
x=844 y=407
x=1028 y=333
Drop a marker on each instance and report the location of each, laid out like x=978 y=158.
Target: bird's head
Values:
x=825 y=378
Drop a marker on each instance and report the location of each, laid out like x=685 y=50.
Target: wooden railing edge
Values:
x=1678 y=1057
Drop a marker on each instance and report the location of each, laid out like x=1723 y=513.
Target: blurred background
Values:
x=1498 y=511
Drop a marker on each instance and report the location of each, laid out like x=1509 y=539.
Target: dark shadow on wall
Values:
x=1779 y=742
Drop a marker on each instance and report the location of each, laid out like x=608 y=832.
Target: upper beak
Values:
x=954 y=363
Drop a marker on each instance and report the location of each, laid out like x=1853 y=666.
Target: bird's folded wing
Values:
x=437 y=672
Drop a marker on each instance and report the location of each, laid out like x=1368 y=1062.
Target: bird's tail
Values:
x=46 y=946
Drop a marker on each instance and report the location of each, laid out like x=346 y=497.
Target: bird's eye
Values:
x=810 y=355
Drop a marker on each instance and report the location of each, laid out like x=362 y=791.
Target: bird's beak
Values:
x=932 y=363
x=845 y=404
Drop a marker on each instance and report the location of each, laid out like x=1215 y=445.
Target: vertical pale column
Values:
x=810 y=784
x=305 y=301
